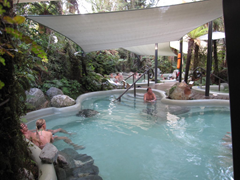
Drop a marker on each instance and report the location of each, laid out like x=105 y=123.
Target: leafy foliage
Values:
x=14 y=80
x=71 y=88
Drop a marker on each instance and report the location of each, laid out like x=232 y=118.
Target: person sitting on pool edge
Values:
x=149 y=96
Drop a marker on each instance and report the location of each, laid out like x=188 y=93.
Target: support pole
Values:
x=209 y=59
x=134 y=87
x=156 y=61
x=180 y=51
x=148 y=77
x=231 y=18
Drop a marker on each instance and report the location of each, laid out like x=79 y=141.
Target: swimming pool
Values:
x=142 y=81
x=133 y=140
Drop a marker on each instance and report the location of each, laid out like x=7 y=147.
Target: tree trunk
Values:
x=215 y=57
x=189 y=56
x=215 y=71
x=196 y=60
x=84 y=70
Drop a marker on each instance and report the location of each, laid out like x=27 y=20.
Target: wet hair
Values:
x=148 y=88
x=40 y=123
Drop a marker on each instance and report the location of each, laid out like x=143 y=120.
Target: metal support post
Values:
x=209 y=59
x=180 y=51
x=156 y=61
x=148 y=77
x=134 y=87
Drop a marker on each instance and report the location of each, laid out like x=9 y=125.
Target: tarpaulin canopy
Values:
x=163 y=49
x=100 y=31
x=215 y=35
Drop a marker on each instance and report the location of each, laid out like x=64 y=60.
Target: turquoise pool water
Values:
x=130 y=80
x=127 y=143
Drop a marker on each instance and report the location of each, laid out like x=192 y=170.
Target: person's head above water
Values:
x=40 y=123
x=23 y=127
x=149 y=89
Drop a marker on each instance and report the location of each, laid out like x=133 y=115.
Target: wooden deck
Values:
x=168 y=85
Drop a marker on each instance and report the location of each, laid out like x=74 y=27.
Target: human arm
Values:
x=154 y=98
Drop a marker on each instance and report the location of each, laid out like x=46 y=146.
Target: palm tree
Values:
x=193 y=42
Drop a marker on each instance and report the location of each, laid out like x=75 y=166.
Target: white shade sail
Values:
x=175 y=45
x=100 y=31
x=163 y=49
x=215 y=35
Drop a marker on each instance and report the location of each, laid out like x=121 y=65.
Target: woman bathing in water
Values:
x=149 y=96
x=42 y=136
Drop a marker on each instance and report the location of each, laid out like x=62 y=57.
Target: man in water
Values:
x=27 y=133
x=149 y=96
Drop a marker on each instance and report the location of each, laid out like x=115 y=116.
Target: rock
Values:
x=85 y=170
x=62 y=101
x=49 y=154
x=69 y=155
x=35 y=98
x=80 y=166
x=87 y=113
x=180 y=91
x=28 y=175
x=83 y=159
x=53 y=92
x=61 y=174
x=90 y=177
x=61 y=160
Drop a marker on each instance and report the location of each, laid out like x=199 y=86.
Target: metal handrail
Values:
x=220 y=79
x=133 y=73
x=134 y=84
x=211 y=74
x=128 y=77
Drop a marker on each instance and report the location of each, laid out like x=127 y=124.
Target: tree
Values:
x=217 y=26
x=193 y=35
x=14 y=80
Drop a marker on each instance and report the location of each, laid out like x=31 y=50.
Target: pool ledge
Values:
x=197 y=89
x=53 y=110
x=45 y=171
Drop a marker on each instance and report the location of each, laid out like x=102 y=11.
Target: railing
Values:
x=133 y=74
x=220 y=79
x=134 y=84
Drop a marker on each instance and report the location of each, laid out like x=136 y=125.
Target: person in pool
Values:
x=42 y=135
x=149 y=96
x=27 y=133
x=41 y=124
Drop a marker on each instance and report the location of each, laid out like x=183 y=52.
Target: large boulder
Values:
x=80 y=166
x=180 y=91
x=35 y=98
x=62 y=101
x=87 y=113
x=49 y=154
x=53 y=92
